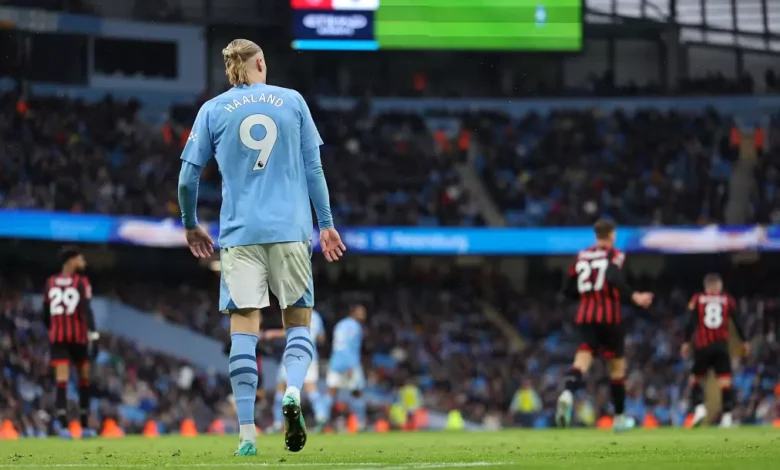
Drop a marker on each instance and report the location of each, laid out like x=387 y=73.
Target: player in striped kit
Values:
x=597 y=279
x=707 y=327
x=67 y=313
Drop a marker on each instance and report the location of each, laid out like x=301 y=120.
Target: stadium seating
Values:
x=103 y=158
x=645 y=168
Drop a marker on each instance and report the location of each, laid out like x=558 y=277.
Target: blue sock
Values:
x=297 y=355
x=278 y=407
x=243 y=375
x=317 y=403
x=358 y=406
x=327 y=406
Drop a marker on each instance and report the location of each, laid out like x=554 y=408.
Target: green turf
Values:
x=478 y=25
x=705 y=449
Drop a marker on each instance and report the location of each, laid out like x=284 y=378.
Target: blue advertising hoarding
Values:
x=168 y=233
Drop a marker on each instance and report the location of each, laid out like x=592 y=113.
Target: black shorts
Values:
x=715 y=357
x=601 y=339
x=69 y=353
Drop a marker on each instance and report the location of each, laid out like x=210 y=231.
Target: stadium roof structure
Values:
x=747 y=24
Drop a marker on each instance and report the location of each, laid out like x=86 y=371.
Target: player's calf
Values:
x=318 y=404
x=617 y=374
x=243 y=374
x=572 y=382
x=697 y=403
x=298 y=354
x=61 y=376
x=729 y=395
x=277 y=411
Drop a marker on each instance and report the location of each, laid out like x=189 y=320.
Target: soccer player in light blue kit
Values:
x=345 y=371
x=267 y=149
x=310 y=383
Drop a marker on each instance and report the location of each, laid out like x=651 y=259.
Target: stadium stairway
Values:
x=743 y=186
x=473 y=183
x=516 y=342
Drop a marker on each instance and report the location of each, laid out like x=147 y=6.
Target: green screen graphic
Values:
x=533 y=25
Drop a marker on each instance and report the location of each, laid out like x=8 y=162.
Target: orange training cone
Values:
x=382 y=426
x=111 y=429
x=688 y=422
x=352 y=424
x=605 y=422
x=151 y=430
x=188 y=428
x=8 y=431
x=650 y=422
x=776 y=423
x=216 y=427
x=420 y=419
x=75 y=429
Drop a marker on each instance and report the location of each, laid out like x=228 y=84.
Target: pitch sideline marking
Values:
x=347 y=466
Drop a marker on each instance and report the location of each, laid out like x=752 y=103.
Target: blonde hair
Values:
x=236 y=54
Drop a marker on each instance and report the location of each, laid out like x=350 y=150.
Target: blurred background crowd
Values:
x=442 y=334
x=649 y=167
x=431 y=344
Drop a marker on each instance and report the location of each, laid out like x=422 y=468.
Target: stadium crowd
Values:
x=427 y=334
x=104 y=158
x=568 y=168
x=648 y=168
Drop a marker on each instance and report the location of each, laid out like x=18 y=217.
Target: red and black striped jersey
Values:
x=67 y=309
x=596 y=277
x=709 y=316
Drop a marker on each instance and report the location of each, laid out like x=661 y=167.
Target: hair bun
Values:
x=231 y=53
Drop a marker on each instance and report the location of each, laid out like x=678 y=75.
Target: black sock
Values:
x=729 y=399
x=573 y=380
x=697 y=396
x=618 y=390
x=84 y=399
x=61 y=404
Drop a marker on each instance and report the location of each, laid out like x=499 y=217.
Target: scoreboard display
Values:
x=484 y=25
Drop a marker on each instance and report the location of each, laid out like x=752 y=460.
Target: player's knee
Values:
x=62 y=372
x=84 y=372
x=582 y=360
x=296 y=316
x=617 y=368
x=246 y=320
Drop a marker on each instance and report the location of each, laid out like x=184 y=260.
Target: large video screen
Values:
x=485 y=25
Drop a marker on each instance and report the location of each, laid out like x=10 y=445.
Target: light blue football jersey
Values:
x=347 y=340
x=258 y=135
x=316 y=329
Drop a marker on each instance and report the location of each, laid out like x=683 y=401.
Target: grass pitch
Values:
x=705 y=449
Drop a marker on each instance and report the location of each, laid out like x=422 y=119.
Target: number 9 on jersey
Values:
x=264 y=145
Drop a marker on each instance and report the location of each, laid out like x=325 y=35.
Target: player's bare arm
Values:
x=616 y=278
x=736 y=319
